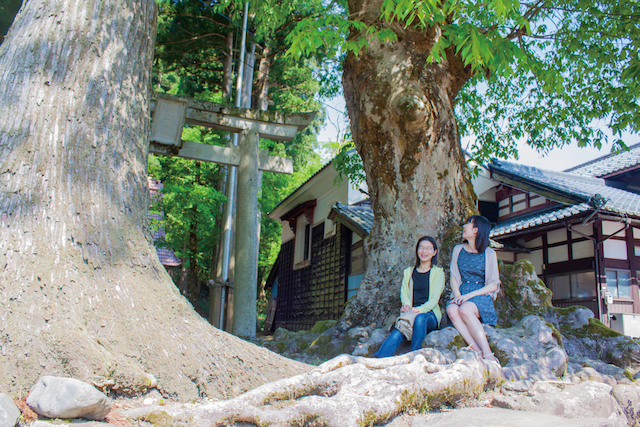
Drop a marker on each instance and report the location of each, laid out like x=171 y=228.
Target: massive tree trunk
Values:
x=261 y=94
x=402 y=120
x=82 y=292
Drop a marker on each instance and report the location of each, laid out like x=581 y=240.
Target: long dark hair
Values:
x=430 y=239
x=484 y=227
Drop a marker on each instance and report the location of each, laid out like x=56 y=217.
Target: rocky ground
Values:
x=557 y=367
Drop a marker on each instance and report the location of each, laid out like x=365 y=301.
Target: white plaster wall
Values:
x=610 y=227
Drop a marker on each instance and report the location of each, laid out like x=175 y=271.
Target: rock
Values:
x=371 y=345
x=595 y=341
x=522 y=294
x=628 y=397
x=56 y=397
x=9 y=412
x=497 y=417
x=585 y=400
x=578 y=374
x=574 y=316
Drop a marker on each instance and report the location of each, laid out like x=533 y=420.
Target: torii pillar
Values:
x=170 y=114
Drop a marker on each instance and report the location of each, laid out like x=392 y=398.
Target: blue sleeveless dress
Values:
x=471 y=266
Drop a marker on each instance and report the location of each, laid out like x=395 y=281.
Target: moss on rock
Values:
x=322 y=326
x=523 y=293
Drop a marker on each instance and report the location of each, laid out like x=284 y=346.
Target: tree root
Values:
x=353 y=391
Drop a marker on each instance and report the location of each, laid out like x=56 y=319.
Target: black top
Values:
x=420 y=287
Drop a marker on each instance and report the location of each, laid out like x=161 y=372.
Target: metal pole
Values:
x=233 y=174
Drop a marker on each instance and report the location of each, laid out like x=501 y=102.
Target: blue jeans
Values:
x=422 y=325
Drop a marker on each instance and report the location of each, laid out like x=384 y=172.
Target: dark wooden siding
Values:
x=316 y=292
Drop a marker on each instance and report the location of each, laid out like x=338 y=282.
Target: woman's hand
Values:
x=461 y=299
x=405 y=308
x=415 y=310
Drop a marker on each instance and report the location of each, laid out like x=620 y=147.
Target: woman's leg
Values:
x=453 y=311
x=422 y=325
x=471 y=317
x=390 y=345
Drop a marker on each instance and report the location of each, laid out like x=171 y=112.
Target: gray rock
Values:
x=575 y=316
x=587 y=373
x=628 y=397
x=9 y=412
x=443 y=338
x=496 y=417
x=374 y=342
x=588 y=399
x=523 y=293
x=56 y=397
x=528 y=350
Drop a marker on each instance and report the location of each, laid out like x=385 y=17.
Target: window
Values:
x=619 y=283
x=573 y=285
x=302 y=248
x=307 y=241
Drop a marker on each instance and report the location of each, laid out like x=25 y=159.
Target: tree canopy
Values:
x=551 y=72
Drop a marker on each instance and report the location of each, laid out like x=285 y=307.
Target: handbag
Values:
x=404 y=324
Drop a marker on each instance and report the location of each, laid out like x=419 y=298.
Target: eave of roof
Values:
x=357 y=218
x=567 y=188
x=609 y=164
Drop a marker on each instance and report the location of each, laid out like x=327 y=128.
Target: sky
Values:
x=558 y=159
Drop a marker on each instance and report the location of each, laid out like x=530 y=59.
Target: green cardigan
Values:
x=436 y=286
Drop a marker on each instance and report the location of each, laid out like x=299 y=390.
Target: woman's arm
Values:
x=454 y=280
x=436 y=286
x=406 y=290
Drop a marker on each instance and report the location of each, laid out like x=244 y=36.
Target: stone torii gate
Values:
x=170 y=113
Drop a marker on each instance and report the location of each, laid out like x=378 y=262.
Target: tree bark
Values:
x=227 y=69
x=261 y=94
x=82 y=292
x=401 y=109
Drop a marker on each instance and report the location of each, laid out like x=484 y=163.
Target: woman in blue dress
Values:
x=475 y=281
x=420 y=293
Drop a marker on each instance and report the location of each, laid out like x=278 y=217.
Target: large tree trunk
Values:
x=261 y=94
x=403 y=125
x=82 y=292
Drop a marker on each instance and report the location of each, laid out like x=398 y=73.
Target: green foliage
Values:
x=547 y=72
x=347 y=161
x=191 y=49
x=8 y=11
x=190 y=202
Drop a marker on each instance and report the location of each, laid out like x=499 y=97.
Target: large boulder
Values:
x=585 y=400
x=9 y=412
x=531 y=349
x=628 y=397
x=522 y=293
x=56 y=397
x=585 y=337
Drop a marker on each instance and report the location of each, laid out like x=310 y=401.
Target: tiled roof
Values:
x=358 y=217
x=609 y=164
x=565 y=187
x=537 y=219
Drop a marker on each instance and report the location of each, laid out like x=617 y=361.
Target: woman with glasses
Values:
x=420 y=293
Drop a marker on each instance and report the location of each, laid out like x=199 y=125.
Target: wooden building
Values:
x=321 y=260
x=579 y=228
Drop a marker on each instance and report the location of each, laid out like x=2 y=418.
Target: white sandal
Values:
x=490 y=357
